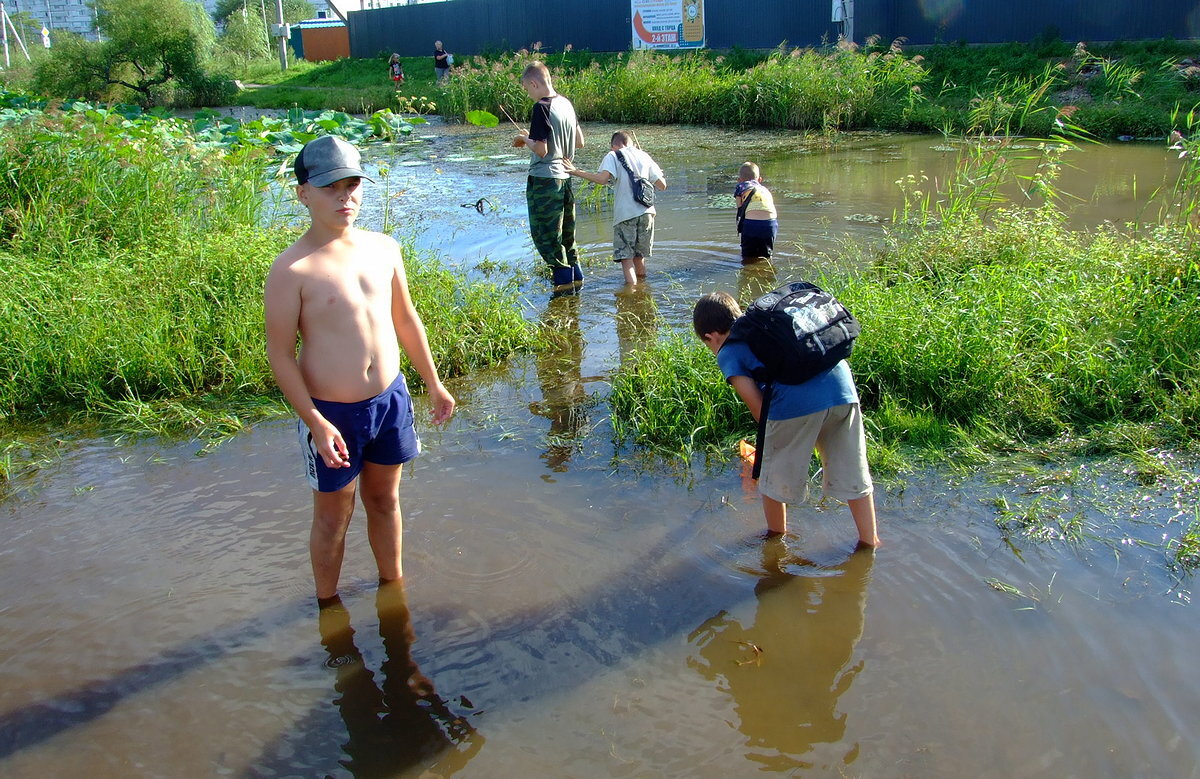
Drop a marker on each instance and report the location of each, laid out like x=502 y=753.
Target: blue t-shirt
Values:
x=834 y=387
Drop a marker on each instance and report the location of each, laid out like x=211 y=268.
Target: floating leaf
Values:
x=483 y=119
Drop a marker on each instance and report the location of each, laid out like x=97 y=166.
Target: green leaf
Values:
x=483 y=119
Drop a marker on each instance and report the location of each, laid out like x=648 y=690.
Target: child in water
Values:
x=757 y=219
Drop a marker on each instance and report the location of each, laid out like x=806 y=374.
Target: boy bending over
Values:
x=344 y=291
x=822 y=414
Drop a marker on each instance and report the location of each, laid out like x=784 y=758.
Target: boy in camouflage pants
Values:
x=552 y=138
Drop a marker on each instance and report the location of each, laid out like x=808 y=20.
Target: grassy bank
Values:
x=132 y=259
x=1122 y=89
x=1008 y=334
x=359 y=86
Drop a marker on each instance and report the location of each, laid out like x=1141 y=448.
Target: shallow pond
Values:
x=571 y=610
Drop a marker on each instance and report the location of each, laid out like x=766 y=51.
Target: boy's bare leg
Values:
x=776 y=514
x=327 y=539
x=863 y=511
x=628 y=269
x=639 y=266
x=379 y=486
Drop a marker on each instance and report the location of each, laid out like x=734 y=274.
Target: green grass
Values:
x=132 y=261
x=1130 y=88
x=351 y=85
x=1006 y=333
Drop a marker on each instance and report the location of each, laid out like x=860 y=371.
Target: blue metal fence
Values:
x=479 y=26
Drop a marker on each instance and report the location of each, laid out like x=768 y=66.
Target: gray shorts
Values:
x=633 y=237
x=837 y=435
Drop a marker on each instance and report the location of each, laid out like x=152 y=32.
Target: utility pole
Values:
x=4 y=34
x=281 y=33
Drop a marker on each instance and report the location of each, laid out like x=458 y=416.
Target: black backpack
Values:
x=797 y=332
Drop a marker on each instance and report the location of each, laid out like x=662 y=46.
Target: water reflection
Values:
x=560 y=378
x=756 y=279
x=786 y=668
x=637 y=320
x=403 y=722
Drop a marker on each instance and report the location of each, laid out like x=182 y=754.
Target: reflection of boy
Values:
x=822 y=413
x=760 y=225
x=344 y=291
x=787 y=667
x=402 y=723
x=633 y=223
x=552 y=138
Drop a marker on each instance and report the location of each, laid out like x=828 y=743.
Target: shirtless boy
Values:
x=344 y=291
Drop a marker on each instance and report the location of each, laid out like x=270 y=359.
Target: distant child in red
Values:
x=396 y=69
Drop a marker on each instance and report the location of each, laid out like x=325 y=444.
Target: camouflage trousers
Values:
x=552 y=220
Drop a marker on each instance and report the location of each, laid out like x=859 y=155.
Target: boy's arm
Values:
x=410 y=331
x=281 y=306
x=657 y=177
x=748 y=391
x=602 y=177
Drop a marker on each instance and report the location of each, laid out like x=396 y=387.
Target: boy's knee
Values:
x=381 y=500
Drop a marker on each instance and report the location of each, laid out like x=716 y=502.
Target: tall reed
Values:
x=792 y=88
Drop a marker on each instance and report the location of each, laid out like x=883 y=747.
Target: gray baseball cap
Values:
x=327 y=159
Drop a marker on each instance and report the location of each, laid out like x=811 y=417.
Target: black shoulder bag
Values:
x=643 y=191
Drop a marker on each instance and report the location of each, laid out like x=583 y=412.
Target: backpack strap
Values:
x=763 y=411
x=633 y=177
x=745 y=206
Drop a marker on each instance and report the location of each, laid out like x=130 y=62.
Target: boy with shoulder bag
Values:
x=636 y=177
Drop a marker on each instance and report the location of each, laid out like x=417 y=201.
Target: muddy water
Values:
x=571 y=610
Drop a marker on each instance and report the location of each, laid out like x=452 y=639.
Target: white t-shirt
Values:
x=624 y=206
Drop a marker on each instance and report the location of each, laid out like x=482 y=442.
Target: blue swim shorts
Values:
x=758 y=237
x=377 y=430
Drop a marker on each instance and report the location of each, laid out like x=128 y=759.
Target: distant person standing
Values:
x=441 y=62
x=839 y=17
x=396 y=70
x=552 y=138
x=757 y=219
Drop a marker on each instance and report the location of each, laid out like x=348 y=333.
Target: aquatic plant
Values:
x=284 y=134
x=999 y=332
x=1186 y=549
x=671 y=398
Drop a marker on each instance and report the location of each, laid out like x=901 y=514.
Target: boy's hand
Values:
x=443 y=404
x=568 y=166
x=520 y=140
x=331 y=446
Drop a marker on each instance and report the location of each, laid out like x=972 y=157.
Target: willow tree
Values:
x=148 y=49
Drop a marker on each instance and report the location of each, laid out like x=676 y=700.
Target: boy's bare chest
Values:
x=335 y=290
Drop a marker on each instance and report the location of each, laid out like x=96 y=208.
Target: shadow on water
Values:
x=31 y=725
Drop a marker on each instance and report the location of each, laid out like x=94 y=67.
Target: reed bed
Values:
x=791 y=88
